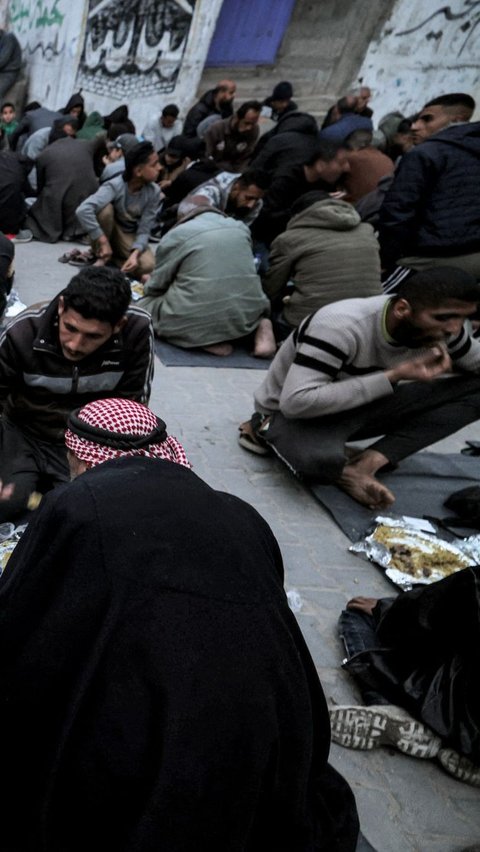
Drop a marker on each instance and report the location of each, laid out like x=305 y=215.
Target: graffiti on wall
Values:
x=134 y=47
x=425 y=49
x=37 y=24
x=451 y=30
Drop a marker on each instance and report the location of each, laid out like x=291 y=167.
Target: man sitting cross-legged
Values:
x=87 y=343
x=361 y=368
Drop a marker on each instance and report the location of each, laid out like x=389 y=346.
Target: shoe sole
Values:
x=249 y=444
x=384 y=725
x=459 y=767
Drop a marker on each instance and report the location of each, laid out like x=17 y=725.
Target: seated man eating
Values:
x=87 y=343
x=364 y=368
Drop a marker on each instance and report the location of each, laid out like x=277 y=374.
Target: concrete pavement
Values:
x=405 y=805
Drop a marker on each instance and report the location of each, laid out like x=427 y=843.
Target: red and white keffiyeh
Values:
x=120 y=417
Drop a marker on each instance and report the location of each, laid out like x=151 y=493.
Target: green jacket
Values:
x=204 y=288
x=328 y=254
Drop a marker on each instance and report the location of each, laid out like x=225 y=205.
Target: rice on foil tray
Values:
x=410 y=554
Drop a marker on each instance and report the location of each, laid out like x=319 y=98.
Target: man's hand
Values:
x=6 y=491
x=132 y=261
x=104 y=249
x=424 y=368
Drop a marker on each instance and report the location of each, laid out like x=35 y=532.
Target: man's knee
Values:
x=106 y=219
x=146 y=263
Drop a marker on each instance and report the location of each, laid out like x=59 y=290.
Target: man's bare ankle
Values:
x=369 y=461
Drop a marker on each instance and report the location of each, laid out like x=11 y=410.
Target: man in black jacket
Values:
x=86 y=344
x=431 y=213
x=217 y=101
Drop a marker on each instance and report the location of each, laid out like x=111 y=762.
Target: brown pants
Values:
x=121 y=242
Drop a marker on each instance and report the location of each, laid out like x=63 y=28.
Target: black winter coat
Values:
x=204 y=107
x=433 y=205
x=157 y=691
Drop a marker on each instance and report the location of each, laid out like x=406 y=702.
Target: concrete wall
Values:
x=321 y=52
x=144 y=53
x=425 y=49
x=3 y=13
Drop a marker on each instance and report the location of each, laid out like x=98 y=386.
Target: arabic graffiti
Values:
x=25 y=16
x=469 y=17
x=134 y=47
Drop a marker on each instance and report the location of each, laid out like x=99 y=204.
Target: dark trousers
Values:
x=31 y=465
x=415 y=415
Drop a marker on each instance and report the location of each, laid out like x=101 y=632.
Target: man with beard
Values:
x=431 y=212
x=239 y=196
x=361 y=368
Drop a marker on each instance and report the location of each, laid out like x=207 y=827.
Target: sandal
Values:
x=250 y=441
x=82 y=258
x=69 y=255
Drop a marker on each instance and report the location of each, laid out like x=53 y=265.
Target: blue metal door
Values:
x=249 y=32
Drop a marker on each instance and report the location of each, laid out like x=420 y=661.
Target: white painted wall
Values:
x=426 y=48
x=62 y=55
x=3 y=13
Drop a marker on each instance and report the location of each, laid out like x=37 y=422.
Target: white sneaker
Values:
x=459 y=766
x=382 y=725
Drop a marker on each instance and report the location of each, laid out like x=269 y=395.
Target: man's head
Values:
x=439 y=113
x=432 y=306
x=224 y=92
x=91 y=309
x=246 y=116
x=62 y=128
x=308 y=199
x=8 y=112
x=363 y=95
x=246 y=192
x=183 y=149
x=328 y=162
x=141 y=164
x=169 y=115
x=123 y=143
x=359 y=139
x=109 y=429
x=281 y=97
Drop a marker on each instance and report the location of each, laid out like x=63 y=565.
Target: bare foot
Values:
x=265 y=345
x=358 y=480
x=221 y=349
x=363 y=604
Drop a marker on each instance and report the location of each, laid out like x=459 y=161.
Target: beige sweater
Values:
x=336 y=361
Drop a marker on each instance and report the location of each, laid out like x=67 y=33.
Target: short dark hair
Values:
x=453 y=100
x=359 y=139
x=436 y=286
x=171 y=109
x=307 y=199
x=245 y=107
x=257 y=177
x=98 y=292
x=137 y=156
x=326 y=150
x=7 y=103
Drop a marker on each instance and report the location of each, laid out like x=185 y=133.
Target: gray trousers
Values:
x=415 y=415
